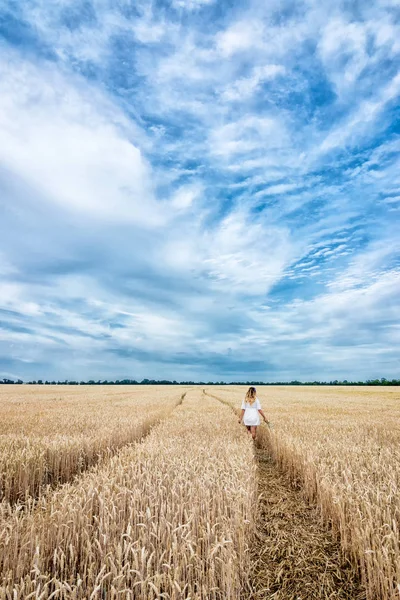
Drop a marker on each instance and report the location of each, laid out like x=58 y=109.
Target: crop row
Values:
x=48 y=440
x=170 y=517
x=343 y=447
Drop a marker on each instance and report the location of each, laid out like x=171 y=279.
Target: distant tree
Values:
x=370 y=382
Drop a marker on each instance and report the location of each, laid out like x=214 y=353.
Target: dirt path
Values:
x=294 y=556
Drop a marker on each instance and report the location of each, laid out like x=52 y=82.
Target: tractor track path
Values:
x=52 y=484
x=293 y=555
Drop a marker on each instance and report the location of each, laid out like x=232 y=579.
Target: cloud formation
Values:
x=191 y=190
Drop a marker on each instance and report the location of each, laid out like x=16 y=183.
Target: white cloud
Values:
x=391 y=200
x=351 y=305
x=368 y=266
x=365 y=114
x=247 y=256
x=149 y=31
x=248 y=133
x=280 y=188
x=83 y=42
x=344 y=331
x=343 y=49
x=184 y=197
x=58 y=136
x=14 y=296
x=348 y=47
x=191 y=4
x=386 y=35
x=241 y=36
x=184 y=245
x=247 y=86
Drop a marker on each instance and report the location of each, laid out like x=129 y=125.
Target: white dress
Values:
x=251 y=415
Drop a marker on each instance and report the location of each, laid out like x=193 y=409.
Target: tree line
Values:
x=382 y=381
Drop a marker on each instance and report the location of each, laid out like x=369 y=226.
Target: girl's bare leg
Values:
x=253 y=431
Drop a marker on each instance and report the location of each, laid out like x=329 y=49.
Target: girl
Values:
x=251 y=411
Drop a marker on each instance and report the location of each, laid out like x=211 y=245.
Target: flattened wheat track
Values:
x=294 y=557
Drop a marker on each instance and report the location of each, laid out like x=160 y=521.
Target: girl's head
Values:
x=251 y=395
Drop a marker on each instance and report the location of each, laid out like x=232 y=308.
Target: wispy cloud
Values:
x=191 y=190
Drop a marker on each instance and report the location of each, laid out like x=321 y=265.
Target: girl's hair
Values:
x=251 y=395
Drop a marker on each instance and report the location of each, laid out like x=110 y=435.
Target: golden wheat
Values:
x=48 y=435
x=168 y=518
x=342 y=445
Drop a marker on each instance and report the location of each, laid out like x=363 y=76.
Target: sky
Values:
x=199 y=189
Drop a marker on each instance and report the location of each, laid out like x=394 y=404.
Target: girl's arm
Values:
x=263 y=416
x=241 y=416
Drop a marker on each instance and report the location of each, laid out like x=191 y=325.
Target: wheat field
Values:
x=165 y=518
x=144 y=493
x=49 y=434
x=342 y=445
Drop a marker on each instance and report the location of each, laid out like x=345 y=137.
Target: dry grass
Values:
x=341 y=445
x=167 y=518
x=49 y=434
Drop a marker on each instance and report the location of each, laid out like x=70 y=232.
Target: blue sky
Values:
x=199 y=189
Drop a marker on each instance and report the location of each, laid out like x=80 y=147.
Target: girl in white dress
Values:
x=251 y=411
